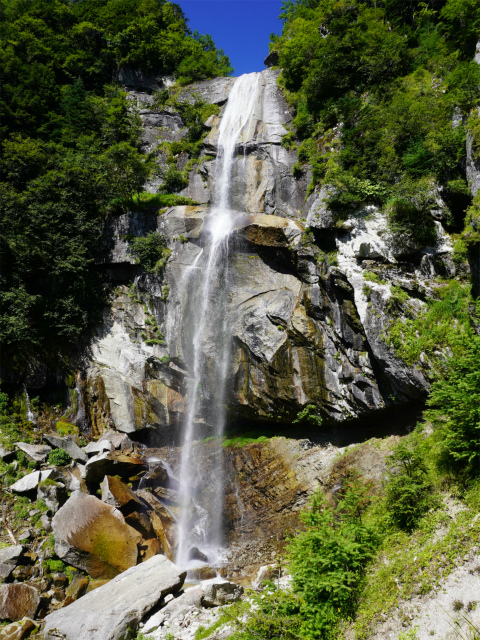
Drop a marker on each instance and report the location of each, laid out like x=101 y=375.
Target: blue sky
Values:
x=240 y=27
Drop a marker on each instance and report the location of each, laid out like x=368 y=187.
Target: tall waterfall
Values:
x=210 y=343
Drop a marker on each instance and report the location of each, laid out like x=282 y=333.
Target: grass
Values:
x=241 y=441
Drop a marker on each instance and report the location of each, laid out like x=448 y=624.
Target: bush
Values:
x=151 y=251
x=409 y=492
x=309 y=415
x=455 y=410
x=328 y=559
x=59 y=457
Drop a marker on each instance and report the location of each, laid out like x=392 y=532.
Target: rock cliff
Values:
x=308 y=329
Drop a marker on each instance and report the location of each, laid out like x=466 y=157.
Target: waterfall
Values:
x=30 y=415
x=209 y=348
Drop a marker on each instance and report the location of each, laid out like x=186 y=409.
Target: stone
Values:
x=141 y=522
x=18 y=630
x=150 y=548
x=218 y=592
x=194 y=553
x=106 y=613
x=76 y=589
x=36 y=452
x=17 y=601
x=118 y=494
x=94 y=537
x=31 y=481
x=22 y=572
x=175 y=610
x=267 y=572
x=68 y=444
x=94 y=448
x=9 y=559
x=112 y=464
x=46 y=523
x=54 y=495
x=272 y=59
x=7 y=454
x=117 y=440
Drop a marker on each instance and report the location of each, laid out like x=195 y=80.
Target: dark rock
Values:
x=18 y=601
x=194 y=553
x=105 y=613
x=272 y=59
x=22 y=572
x=54 y=495
x=76 y=589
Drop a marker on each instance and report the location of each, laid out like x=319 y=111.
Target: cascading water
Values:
x=30 y=415
x=200 y=526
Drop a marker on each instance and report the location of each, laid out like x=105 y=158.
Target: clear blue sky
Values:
x=240 y=27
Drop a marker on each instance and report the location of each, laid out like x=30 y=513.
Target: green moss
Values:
x=242 y=441
x=65 y=428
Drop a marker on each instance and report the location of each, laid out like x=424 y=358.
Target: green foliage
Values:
x=59 y=457
x=146 y=200
x=72 y=154
x=65 y=428
x=408 y=489
x=54 y=566
x=436 y=328
x=375 y=86
x=309 y=415
x=328 y=560
x=455 y=409
x=151 y=252
x=241 y=441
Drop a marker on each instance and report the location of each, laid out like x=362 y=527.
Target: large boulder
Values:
x=93 y=536
x=173 y=613
x=54 y=495
x=18 y=601
x=107 y=612
x=9 y=559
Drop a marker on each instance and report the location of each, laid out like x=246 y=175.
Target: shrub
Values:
x=328 y=559
x=409 y=492
x=151 y=251
x=59 y=457
x=455 y=409
x=309 y=415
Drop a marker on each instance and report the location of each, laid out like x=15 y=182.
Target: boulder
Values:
x=117 y=493
x=94 y=448
x=112 y=464
x=18 y=630
x=32 y=480
x=36 y=452
x=117 y=440
x=18 y=601
x=69 y=445
x=94 y=537
x=54 y=495
x=105 y=613
x=9 y=559
x=217 y=592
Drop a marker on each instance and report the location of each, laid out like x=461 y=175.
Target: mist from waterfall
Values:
x=208 y=349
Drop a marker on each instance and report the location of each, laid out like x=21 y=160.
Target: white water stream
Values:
x=201 y=526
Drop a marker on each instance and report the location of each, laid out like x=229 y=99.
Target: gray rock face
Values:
x=218 y=592
x=111 y=464
x=9 y=558
x=54 y=496
x=68 y=444
x=105 y=614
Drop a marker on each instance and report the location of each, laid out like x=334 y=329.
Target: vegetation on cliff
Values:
x=72 y=153
x=382 y=91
